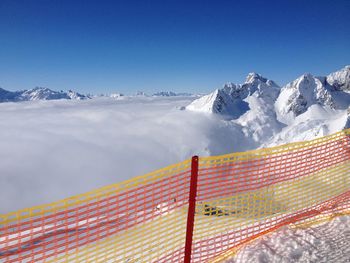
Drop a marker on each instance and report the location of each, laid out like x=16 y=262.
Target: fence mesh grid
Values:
x=240 y=196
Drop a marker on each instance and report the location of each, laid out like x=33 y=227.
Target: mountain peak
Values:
x=252 y=76
x=340 y=80
x=232 y=101
x=307 y=76
x=297 y=96
x=140 y=94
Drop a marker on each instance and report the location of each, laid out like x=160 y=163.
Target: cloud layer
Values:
x=54 y=149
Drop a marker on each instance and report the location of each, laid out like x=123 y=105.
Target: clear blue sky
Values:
x=105 y=46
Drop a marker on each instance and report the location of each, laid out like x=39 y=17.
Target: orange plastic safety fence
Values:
x=107 y=224
x=240 y=196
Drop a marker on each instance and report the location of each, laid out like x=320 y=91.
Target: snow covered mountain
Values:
x=116 y=95
x=170 y=94
x=73 y=95
x=6 y=95
x=296 y=97
x=165 y=94
x=249 y=105
x=141 y=94
x=231 y=100
x=263 y=112
x=331 y=92
x=340 y=80
x=39 y=93
x=305 y=108
x=260 y=121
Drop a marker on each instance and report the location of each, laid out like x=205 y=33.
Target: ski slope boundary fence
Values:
x=199 y=210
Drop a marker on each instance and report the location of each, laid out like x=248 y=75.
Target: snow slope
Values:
x=315 y=122
x=327 y=242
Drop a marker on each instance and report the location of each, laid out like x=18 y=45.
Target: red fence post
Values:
x=191 y=209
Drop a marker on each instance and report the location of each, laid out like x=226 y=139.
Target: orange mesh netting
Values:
x=240 y=196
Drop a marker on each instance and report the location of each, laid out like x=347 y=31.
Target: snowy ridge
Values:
x=116 y=95
x=6 y=95
x=311 y=107
x=340 y=80
x=39 y=93
x=231 y=101
x=222 y=102
x=296 y=97
x=303 y=109
x=249 y=105
x=171 y=94
x=141 y=94
x=76 y=96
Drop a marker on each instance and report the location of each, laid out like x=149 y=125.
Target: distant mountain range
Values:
x=163 y=94
x=170 y=94
x=304 y=108
x=39 y=93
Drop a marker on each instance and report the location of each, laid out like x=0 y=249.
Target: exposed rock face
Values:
x=340 y=80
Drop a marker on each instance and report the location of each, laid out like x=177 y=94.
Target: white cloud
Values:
x=54 y=149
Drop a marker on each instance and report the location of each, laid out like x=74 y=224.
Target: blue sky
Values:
x=125 y=46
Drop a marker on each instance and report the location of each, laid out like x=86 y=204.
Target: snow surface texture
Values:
x=328 y=242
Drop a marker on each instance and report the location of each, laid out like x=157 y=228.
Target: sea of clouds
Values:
x=51 y=150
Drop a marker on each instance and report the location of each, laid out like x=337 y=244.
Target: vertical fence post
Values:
x=191 y=209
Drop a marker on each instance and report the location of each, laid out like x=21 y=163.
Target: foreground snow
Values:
x=328 y=242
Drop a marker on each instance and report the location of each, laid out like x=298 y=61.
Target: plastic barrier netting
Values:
x=240 y=196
